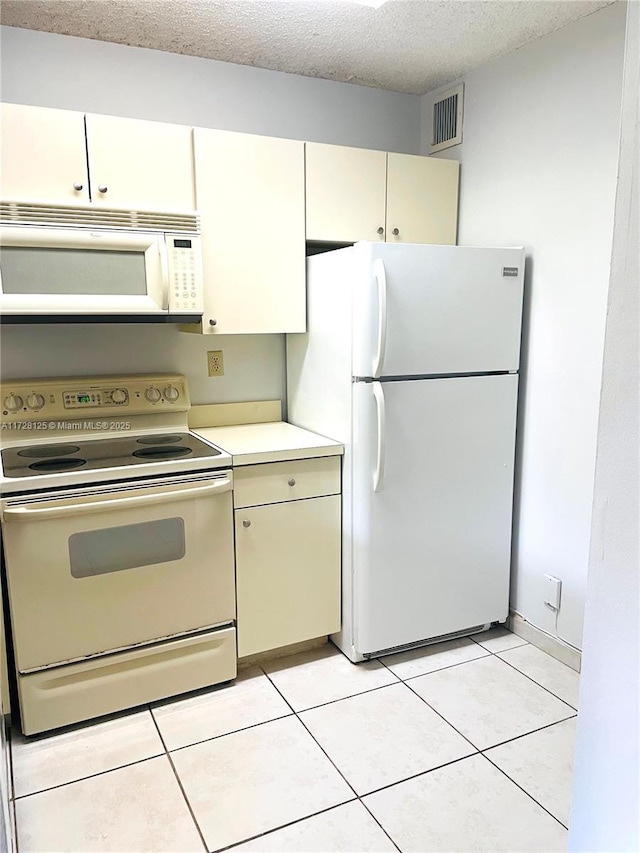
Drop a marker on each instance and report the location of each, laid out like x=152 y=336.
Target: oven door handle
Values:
x=25 y=513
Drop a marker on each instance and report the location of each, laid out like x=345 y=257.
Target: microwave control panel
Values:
x=60 y=399
x=185 y=273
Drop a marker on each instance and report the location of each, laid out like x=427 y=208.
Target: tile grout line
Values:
x=526 y=734
x=464 y=737
x=332 y=701
x=355 y=793
x=357 y=796
x=533 y=679
x=524 y=791
x=502 y=742
x=90 y=776
x=231 y=732
x=439 y=669
x=386 y=831
x=496 y=655
x=179 y=781
x=278 y=828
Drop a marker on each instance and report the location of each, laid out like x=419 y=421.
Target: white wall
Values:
x=539 y=157
x=253 y=364
x=83 y=74
x=49 y=70
x=606 y=796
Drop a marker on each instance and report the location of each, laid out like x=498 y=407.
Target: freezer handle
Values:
x=380 y=275
x=378 y=475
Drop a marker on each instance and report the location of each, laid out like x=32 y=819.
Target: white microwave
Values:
x=88 y=271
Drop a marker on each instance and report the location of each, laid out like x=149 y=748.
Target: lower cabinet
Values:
x=287 y=554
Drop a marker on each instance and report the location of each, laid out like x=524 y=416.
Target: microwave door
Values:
x=50 y=271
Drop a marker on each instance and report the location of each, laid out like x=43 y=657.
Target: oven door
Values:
x=99 y=569
x=82 y=271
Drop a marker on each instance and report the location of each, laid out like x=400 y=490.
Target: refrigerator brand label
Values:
x=510 y=271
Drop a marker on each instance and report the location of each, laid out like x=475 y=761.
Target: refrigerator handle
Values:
x=381 y=280
x=378 y=476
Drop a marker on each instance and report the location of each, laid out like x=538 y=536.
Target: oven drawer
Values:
x=276 y=482
x=67 y=694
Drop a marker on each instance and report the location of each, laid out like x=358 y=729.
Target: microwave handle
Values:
x=24 y=513
x=164 y=272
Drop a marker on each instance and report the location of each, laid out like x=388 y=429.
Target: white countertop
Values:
x=276 y=441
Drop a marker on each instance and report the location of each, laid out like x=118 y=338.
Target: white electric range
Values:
x=118 y=544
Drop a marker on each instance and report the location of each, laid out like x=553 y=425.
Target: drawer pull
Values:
x=292 y=482
x=246 y=523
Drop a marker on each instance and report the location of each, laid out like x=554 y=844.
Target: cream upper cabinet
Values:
x=288 y=547
x=44 y=158
x=422 y=199
x=62 y=157
x=250 y=197
x=357 y=194
x=346 y=193
x=143 y=165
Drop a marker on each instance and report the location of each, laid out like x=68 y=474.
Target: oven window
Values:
x=82 y=272
x=115 y=549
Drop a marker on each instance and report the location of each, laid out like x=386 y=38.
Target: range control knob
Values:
x=119 y=395
x=35 y=401
x=12 y=403
x=152 y=394
x=171 y=393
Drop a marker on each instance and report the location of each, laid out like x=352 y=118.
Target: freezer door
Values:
x=422 y=310
x=432 y=507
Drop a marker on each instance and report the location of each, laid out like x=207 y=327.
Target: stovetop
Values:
x=85 y=431
x=97 y=454
x=45 y=466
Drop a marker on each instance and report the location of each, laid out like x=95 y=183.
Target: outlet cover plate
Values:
x=215 y=363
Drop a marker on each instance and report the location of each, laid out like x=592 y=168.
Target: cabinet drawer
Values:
x=286 y=481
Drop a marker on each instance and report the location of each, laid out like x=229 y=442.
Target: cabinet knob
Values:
x=292 y=482
x=246 y=523
x=213 y=322
x=381 y=230
x=395 y=232
x=102 y=188
x=77 y=187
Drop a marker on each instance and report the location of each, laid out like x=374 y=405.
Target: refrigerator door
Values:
x=431 y=546
x=423 y=310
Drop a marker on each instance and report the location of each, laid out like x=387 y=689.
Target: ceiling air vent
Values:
x=446 y=125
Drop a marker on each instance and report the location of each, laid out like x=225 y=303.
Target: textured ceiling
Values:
x=406 y=45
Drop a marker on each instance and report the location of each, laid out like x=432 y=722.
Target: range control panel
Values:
x=52 y=399
x=185 y=273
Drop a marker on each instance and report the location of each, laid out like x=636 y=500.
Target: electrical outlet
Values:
x=215 y=364
x=552 y=592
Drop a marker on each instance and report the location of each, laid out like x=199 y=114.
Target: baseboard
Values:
x=282 y=652
x=552 y=646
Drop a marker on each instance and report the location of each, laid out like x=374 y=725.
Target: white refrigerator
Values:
x=411 y=361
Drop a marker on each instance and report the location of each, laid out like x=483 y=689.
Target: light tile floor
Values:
x=462 y=746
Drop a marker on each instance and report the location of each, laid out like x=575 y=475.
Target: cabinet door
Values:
x=144 y=165
x=287 y=573
x=250 y=197
x=43 y=155
x=422 y=199
x=345 y=193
